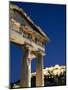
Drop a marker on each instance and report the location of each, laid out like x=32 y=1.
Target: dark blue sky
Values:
x=52 y=19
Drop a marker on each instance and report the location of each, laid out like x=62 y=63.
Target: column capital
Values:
x=27 y=49
x=39 y=54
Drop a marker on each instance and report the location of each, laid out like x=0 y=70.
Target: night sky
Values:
x=52 y=19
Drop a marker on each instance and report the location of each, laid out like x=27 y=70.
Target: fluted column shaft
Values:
x=26 y=69
x=39 y=71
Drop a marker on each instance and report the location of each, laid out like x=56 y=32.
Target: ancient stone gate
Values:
x=32 y=39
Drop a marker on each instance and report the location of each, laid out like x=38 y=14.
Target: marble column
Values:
x=26 y=69
x=39 y=71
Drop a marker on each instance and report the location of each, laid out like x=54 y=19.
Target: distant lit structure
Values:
x=53 y=70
